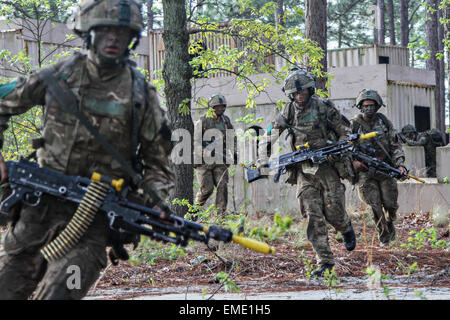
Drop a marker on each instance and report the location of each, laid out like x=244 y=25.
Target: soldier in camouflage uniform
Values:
x=378 y=191
x=429 y=140
x=118 y=101
x=214 y=174
x=320 y=192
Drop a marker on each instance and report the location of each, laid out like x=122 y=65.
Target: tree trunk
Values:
x=391 y=14
x=177 y=74
x=279 y=11
x=316 y=30
x=446 y=13
x=431 y=32
x=441 y=66
x=404 y=25
x=375 y=28
x=150 y=17
x=380 y=25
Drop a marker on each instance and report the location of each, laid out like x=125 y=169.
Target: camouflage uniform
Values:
x=429 y=140
x=215 y=174
x=106 y=97
x=376 y=190
x=319 y=189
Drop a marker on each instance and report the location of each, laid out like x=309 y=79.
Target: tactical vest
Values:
x=65 y=141
x=309 y=125
x=381 y=143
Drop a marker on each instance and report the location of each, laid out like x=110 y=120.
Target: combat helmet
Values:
x=297 y=81
x=92 y=13
x=368 y=94
x=409 y=128
x=217 y=100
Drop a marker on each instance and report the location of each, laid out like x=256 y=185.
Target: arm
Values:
x=395 y=148
x=421 y=141
x=337 y=123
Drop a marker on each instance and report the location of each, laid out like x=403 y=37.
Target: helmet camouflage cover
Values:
x=368 y=94
x=217 y=100
x=408 y=128
x=92 y=13
x=297 y=81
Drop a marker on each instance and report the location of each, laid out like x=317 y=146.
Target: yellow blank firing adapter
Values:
x=117 y=184
x=306 y=145
x=368 y=135
x=253 y=244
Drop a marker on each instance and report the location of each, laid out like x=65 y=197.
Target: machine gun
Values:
x=365 y=155
x=29 y=182
x=305 y=153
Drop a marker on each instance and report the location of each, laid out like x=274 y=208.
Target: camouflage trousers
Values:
x=23 y=269
x=322 y=199
x=380 y=193
x=210 y=176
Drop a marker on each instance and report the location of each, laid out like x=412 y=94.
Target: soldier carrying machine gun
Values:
x=351 y=147
x=29 y=183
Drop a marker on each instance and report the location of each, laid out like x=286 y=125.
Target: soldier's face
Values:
x=301 y=97
x=369 y=108
x=411 y=135
x=111 y=42
x=219 y=110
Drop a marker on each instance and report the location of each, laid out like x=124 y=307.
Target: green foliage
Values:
x=195 y=210
x=228 y=284
x=150 y=251
x=307 y=262
x=250 y=47
x=51 y=10
x=331 y=280
x=423 y=237
x=21 y=131
x=279 y=228
x=377 y=277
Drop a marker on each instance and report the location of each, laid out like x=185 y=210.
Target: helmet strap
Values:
x=102 y=60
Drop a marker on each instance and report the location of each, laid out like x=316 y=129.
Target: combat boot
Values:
x=319 y=272
x=391 y=228
x=349 y=239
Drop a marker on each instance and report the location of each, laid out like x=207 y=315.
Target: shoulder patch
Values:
x=7 y=89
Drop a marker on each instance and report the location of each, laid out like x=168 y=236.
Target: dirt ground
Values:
x=251 y=272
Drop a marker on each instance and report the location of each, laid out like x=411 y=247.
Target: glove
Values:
x=359 y=166
x=403 y=171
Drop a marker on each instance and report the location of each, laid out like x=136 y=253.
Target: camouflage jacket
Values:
x=317 y=124
x=425 y=139
x=223 y=123
x=106 y=98
x=386 y=143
